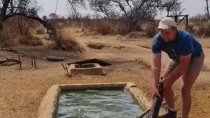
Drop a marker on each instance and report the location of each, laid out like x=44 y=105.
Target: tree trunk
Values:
x=207 y=8
x=4 y=11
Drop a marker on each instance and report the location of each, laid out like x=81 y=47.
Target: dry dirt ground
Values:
x=22 y=90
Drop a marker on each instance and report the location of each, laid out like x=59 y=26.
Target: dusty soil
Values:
x=22 y=90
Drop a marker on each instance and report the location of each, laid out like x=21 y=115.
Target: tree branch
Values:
x=4 y=11
x=121 y=7
x=12 y=6
x=127 y=1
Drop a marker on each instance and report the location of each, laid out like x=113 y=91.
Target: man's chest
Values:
x=172 y=50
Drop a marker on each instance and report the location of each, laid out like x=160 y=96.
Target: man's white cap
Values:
x=166 y=23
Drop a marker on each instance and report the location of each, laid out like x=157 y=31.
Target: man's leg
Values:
x=168 y=91
x=187 y=82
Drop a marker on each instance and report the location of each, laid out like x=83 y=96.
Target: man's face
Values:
x=168 y=34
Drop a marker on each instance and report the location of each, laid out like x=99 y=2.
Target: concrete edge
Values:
x=48 y=106
x=96 y=65
x=96 y=70
x=92 y=86
x=49 y=103
x=138 y=95
x=141 y=98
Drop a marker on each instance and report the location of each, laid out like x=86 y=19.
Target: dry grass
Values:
x=205 y=68
x=136 y=34
x=30 y=42
x=40 y=31
x=143 y=64
x=199 y=27
x=69 y=42
x=150 y=29
x=8 y=39
x=18 y=32
x=31 y=39
x=104 y=27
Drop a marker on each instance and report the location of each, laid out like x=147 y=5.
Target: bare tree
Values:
x=172 y=7
x=53 y=16
x=44 y=18
x=207 y=9
x=74 y=5
x=103 y=6
x=130 y=11
x=177 y=9
x=27 y=9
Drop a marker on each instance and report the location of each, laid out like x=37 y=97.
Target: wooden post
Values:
x=32 y=63
x=187 y=23
x=20 y=62
x=67 y=72
x=35 y=63
x=176 y=18
x=63 y=66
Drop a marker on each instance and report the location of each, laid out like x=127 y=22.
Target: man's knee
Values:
x=188 y=82
x=168 y=86
x=185 y=89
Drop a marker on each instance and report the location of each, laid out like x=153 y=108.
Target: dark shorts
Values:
x=195 y=64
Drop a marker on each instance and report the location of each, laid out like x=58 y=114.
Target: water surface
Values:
x=97 y=104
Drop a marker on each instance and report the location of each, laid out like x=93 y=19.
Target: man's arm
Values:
x=156 y=69
x=156 y=61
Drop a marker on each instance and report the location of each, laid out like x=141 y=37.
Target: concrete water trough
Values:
x=52 y=101
x=86 y=69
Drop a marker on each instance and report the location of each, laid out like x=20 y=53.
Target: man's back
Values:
x=184 y=44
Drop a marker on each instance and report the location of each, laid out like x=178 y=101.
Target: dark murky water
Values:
x=97 y=104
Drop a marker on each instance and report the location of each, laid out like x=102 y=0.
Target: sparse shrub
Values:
x=143 y=64
x=104 y=27
x=8 y=39
x=199 y=26
x=120 y=29
x=40 y=31
x=30 y=42
x=31 y=39
x=15 y=33
x=135 y=34
x=150 y=29
x=205 y=68
x=31 y=35
x=59 y=25
x=50 y=45
x=68 y=42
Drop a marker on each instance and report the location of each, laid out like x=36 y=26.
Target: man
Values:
x=186 y=60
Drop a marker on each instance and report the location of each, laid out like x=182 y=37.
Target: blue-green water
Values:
x=97 y=104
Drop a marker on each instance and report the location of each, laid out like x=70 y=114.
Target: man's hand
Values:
x=165 y=80
x=155 y=93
